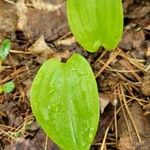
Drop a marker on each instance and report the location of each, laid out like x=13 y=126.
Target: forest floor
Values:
x=38 y=30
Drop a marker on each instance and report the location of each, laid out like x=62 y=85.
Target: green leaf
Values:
x=4 y=50
x=96 y=23
x=65 y=102
x=8 y=87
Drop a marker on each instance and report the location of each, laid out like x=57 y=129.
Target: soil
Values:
x=38 y=30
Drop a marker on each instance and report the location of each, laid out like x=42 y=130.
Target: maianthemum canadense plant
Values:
x=64 y=96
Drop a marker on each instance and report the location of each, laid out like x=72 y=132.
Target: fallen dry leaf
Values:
x=52 y=24
x=105 y=99
x=67 y=42
x=139 y=12
x=43 y=52
x=143 y=126
x=40 y=47
x=132 y=39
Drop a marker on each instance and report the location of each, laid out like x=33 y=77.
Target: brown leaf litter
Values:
x=45 y=19
x=38 y=30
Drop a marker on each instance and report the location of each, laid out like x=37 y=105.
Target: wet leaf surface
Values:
x=77 y=104
x=89 y=21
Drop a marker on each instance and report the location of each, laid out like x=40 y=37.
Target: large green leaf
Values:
x=96 y=23
x=64 y=100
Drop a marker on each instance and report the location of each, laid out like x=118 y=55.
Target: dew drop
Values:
x=92 y=129
x=45 y=114
x=73 y=69
x=81 y=72
x=83 y=143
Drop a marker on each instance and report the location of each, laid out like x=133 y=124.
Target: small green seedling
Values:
x=96 y=23
x=4 y=50
x=7 y=87
x=65 y=102
x=64 y=96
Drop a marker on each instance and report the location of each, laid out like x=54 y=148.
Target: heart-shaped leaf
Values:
x=64 y=100
x=96 y=23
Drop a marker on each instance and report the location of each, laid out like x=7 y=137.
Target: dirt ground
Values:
x=38 y=30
